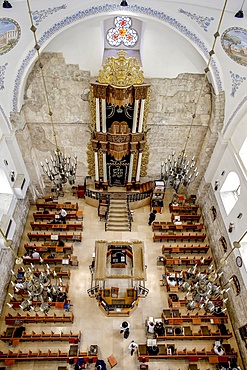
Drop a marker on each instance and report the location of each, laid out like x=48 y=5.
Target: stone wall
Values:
x=7 y=258
x=236 y=305
x=172 y=103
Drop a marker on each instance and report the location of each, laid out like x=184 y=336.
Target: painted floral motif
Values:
x=10 y=33
x=40 y=15
x=2 y=75
x=105 y=9
x=122 y=33
x=234 y=42
x=236 y=82
x=203 y=22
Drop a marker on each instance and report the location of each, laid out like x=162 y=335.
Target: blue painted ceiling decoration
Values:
x=68 y=20
x=234 y=42
x=10 y=33
x=236 y=82
x=203 y=22
x=40 y=15
x=2 y=75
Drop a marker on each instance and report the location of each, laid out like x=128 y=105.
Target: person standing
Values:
x=133 y=347
x=125 y=328
x=152 y=217
x=63 y=215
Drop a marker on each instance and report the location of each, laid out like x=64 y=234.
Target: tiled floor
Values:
x=95 y=327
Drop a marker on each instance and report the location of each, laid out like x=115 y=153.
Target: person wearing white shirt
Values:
x=63 y=215
x=132 y=347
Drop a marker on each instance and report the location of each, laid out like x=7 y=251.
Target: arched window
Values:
x=230 y=191
x=243 y=153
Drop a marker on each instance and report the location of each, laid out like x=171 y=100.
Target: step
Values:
x=112 y=220
x=117 y=228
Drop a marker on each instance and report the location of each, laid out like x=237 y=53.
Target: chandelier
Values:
x=37 y=285
x=61 y=169
x=178 y=170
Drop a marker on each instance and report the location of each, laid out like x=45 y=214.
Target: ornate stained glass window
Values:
x=122 y=33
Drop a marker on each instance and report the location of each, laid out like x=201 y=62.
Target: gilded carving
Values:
x=121 y=71
x=90 y=159
x=99 y=91
x=100 y=159
x=135 y=161
x=141 y=92
x=145 y=160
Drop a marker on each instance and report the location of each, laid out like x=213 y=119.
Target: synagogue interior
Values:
x=123 y=164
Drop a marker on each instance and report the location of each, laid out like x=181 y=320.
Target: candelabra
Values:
x=178 y=170
x=61 y=169
x=39 y=288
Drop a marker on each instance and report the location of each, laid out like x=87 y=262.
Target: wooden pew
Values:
x=186 y=217
x=56 y=205
x=60 y=260
x=47 y=226
x=175 y=317
x=11 y=357
x=57 y=271
x=16 y=303
x=184 y=209
x=35 y=319
x=35 y=337
x=51 y=216
x=185 y=248
x=170 y=226
x=183 y=302
x=49 y=248
x=49 y=236
x=178 y=237
x=187 y=334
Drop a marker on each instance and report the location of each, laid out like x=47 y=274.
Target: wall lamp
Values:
x=216 y=185
x=6 y=4
x=231 y=227
x=124 y=3
x=240 y=13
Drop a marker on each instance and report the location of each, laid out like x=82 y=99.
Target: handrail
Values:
x=129 y=214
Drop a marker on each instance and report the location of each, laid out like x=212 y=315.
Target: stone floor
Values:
x=95 y=327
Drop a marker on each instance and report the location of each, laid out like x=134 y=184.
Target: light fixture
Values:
x=178 y=170
x=231 y=227
x=6 y=4
x=124 y=3
x=240 y=13
x=61 y=169
x=181 y=171
x=204 y=288
x=12 y=176
x=216 y=185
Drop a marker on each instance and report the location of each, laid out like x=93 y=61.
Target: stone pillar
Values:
x=97 y=115
x=103 y=111
x=96 y=166
x=135 y=116
x=141 y=115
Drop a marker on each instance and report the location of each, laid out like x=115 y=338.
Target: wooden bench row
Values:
x=36 y=319
x=49 y=248
x=65 y=260
x=56 y=205
x=192 y=356
x=183 y=209
x=56 y=272
x=51 y=216
x=7 y=336
x=170 y=226
x=174 y=317
x=186 y=333
x=51 y=236
x=10 y=357
x=183 y=302
x=185 y=248
x=186 y=217
x=187 y=261
x=178 y=237
x=47 y=226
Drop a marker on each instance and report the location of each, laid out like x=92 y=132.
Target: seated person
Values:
x=171 y=349
x=173 y=297
x=222 y=328
x=153 y=351
x=218 y=349
x=61 y=243
x=171 y=281
x=45 y=212
x=80 y=364
x=100 y=365
x=35 y=254
x=160 y=330
x=151 y=327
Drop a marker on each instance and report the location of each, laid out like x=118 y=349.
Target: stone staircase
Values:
x=118 y=219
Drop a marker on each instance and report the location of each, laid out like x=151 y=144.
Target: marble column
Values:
x=96 y=166
x=141 y=115
x=104 y=168
x=135 y=116
x=97 y=116
x=138 y=171
x=103 y=111
x=130 y=167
